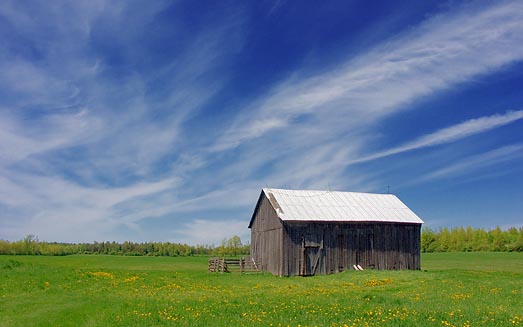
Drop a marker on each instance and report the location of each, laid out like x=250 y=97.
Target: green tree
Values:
x=234 y=245
x=428 y=240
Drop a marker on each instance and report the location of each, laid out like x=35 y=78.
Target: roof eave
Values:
x=352 y=221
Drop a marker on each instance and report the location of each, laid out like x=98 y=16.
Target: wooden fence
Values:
x=241 y=265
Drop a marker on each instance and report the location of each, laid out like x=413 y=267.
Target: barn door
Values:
x=312 y=248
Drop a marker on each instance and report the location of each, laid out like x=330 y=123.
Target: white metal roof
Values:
x=301 y=205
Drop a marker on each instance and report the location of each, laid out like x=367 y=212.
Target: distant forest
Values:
x=456 y=239
x=32 y=246
x=468 y=239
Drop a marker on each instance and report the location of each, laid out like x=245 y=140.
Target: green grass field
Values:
x=453 y=289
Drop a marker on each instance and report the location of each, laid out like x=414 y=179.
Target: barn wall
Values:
x=371 y=245
x=266 y=238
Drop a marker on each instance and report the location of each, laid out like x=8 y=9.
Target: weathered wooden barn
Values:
x=296 y=232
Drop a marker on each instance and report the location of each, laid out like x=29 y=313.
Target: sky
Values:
x=162 y=120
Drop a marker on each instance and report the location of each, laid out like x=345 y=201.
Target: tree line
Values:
x=456 y=239
x=468 y=239
x=30 y=245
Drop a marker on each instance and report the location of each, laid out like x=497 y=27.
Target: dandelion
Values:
x=131 y=279
x=516 y=320
x=102 y=274
x=378 y=282
x=460 y=296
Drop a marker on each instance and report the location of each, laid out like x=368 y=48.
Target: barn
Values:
x=304 y=232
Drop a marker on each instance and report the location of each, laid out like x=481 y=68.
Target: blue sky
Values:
x=162 y=120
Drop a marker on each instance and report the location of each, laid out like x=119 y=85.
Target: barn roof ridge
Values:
x=320 y=192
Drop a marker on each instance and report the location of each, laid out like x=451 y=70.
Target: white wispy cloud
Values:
x=449 y=134
x=21 y=138
x=63 y=210
x=445 y=50
x=472 y=163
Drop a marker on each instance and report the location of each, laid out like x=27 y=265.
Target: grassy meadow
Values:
x=453 y=289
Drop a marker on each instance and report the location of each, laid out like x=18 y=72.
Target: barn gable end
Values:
x=323 y=232
x=266 y=237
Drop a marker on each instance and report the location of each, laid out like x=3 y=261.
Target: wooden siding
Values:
x=342 y=245
x=266 y=238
